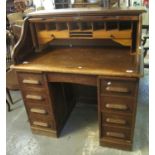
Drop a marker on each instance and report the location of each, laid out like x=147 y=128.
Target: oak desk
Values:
x=109 y=60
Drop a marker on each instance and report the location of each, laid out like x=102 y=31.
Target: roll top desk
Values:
x=94 y=47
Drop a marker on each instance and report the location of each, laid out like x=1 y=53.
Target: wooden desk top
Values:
x=85 y=60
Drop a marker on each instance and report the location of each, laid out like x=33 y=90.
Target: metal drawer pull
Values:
x=115 y=134
x=118 y=89
x=117 y=121
x=26 y=81
x=40 y=124
x=40 y=111
x=34 y=97
x=116 y=106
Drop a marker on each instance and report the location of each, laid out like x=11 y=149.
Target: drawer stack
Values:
x=38 y=103
x=117 y=111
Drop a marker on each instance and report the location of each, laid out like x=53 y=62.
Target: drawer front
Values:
x=119 y=87
x=122 y=105
x=116 y=120
x=32 y=80
x=39 y=110
x=118 y=133
x=42 y=121
x=40 y=117
x=34 y=97
x=46 y=124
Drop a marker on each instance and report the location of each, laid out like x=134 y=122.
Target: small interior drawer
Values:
x=118 y=133
x=34 y=80
x=119 y=87
x=117 y=104
x=116 y=120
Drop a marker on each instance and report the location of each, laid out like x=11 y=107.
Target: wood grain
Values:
x=77 y=60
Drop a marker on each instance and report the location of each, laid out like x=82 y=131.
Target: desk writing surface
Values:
x=85 y=60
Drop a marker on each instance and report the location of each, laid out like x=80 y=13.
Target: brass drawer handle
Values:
x=117 y=89
x=117 y=121
x=26 y=81
x=115 y=134
x=116 y=106
x=40 y=111
x=40 y=124
x=34 y=97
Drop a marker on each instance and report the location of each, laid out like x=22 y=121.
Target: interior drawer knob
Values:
x=40 y=111
x=115 y=134
x=115 y=120
x=117 y=89
x=34 y=97
x=40 y=123
x=116 y=106
x=26 y=81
